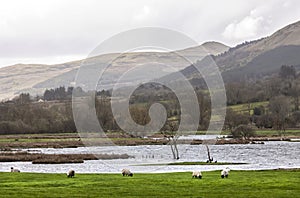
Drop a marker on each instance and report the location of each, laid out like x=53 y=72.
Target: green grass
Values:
x=275 y=183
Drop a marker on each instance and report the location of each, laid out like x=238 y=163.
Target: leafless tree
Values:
x=280 y=106
x=172 y=135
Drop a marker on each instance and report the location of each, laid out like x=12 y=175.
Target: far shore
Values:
x=13 y=147
x=74 y=140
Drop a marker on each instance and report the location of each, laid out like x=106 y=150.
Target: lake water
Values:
x=270 y=155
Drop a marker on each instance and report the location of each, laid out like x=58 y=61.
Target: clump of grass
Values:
x=62 y=158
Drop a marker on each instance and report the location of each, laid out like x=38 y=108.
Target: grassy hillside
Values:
x=275 y=183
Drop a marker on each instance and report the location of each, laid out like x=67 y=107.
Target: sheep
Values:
x=197 y=174
x=71 y=173
x=225 y=173
x=126 y=172
x=12 y=169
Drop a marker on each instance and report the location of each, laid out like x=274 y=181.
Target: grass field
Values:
x=244 y=108
x=275 y=183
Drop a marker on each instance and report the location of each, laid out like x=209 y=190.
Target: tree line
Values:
x=281 y=92
x=52 y=112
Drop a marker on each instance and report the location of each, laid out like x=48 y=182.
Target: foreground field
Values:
x=275 y=183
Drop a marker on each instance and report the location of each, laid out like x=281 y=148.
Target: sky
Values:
x=57 y=31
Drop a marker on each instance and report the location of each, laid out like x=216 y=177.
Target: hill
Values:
x=35 y=78
x=255 y=59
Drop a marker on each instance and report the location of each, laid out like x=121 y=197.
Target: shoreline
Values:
x=296 y=169
x=74 y=140
x=10 y=143
x=114 y=173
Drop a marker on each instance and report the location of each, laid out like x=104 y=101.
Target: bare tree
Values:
x=234 y=119
x=172 y=135
x=294 y=91
x=280 y=106
x=210 y=159
x=243 y=131
x=104 y=113
x=141 y=116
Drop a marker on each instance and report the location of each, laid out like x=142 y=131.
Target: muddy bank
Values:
x=40 y=158
x=48 y=144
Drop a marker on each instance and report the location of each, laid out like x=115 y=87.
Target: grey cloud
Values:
x=40 y=30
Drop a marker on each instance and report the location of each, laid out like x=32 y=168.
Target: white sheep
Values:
x=126 y=172
x=197 y=174
x=12 y=169
x=71 y=173
x=225 y=172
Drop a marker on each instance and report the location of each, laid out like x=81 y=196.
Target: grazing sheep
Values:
x=225 y=173
x=12 y=169
x=126 y=172
x=71 y=173
x=197 y=174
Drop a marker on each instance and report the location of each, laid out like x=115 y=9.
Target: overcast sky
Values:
x=56 y=31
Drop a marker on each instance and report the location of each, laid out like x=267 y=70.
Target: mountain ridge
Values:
x=251 y=58
x=258 y=57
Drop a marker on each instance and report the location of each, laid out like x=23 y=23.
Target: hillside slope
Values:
x=254 y=59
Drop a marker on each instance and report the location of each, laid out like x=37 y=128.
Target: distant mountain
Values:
x=254 y=59
x=35 y=78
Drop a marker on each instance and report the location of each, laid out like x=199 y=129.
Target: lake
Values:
x=271 y=155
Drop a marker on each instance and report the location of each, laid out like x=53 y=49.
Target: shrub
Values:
x=243 y=131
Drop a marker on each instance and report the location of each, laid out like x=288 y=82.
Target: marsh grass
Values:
x=40 y=158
